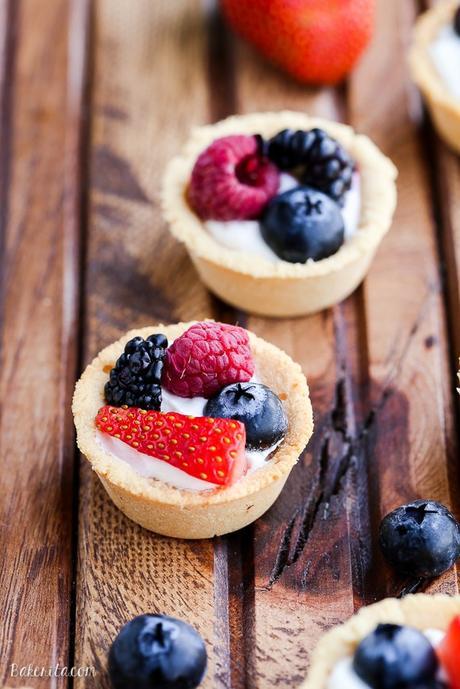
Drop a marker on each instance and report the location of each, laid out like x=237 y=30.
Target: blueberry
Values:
x=457 y=21
x=303 y=223
x=395 y=657
x=157 y=652
x=257 y=407
x=421 y=539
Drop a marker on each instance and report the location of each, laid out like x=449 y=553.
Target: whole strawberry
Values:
x=315 y=41
x=206 y=358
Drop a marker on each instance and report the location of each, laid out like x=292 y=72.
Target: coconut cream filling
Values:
x=343 y=675
x=246 y=235
x=445 y=55
x=158 y=469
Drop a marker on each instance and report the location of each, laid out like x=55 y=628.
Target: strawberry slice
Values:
x=209 y=449
x=449 y=653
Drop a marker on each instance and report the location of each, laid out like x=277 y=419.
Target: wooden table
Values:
x=94 y=99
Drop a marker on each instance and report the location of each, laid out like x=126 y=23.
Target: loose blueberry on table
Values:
x=157 y=652
x=420 y=539
x=212 y=364
x=239 y=178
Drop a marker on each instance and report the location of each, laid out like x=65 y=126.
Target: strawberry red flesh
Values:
x=209 y=449
x=449 y=653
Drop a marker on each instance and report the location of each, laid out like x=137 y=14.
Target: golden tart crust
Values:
x=186 y=514
x=444 y=108
x=420 y=610
x=282 y=289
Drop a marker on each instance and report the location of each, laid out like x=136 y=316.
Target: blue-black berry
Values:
x=396 y=657
x=157 y=652
x=135 y=379
x=420 y=539
x=257 y=407
x=303 y=223
x=457 y=22
x=321 y=161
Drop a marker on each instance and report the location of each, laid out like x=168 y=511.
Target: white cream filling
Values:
x=246 y=235
x=344 y=677
x=153 y=468
x=445 y=55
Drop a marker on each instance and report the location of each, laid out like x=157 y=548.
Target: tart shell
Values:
x=170 y=511
x=444 y=109
x=420 y=610
x=280 y=289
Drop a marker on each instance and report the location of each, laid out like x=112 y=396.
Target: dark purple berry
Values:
x=321 y=161
x=396 y=657
x=303 y=223
x=420 y=539
x=257 y=407
x=157 y=652
x=135 y=379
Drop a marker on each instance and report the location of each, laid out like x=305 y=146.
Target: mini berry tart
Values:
x=280 y=213
x=192 y=428
x=433 y=59
x=411 y=643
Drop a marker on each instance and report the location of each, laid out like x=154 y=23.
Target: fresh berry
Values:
x=314 y=41
x=157 y=652
x=209 y=449
x=421 y=539
x=257 y=407
x=136 y=377
x=457 y=21
x=324 y=163
x=395 y=657
x=207 y=357
x=449 y=653
x=231 y=180
x=303 y=223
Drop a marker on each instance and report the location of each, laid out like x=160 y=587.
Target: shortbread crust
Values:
x=185 y=514
x=282 y=289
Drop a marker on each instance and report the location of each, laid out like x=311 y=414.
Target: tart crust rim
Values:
x=422 y=68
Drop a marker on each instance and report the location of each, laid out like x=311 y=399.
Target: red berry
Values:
x=209 y=449
x=206 y=358
x=449 y=653
x=231 y=180
x=315 y=41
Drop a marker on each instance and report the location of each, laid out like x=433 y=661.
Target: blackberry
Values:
x=324 y=164
x=136 y=377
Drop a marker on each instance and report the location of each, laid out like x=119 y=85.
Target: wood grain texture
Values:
x=38 y=344
x=304 y=538
x=411 y=444
x=80 y=173
x=146 y=57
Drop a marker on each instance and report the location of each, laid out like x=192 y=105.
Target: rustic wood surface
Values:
x=95 y=97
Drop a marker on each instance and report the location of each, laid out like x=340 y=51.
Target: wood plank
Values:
x=302 y=546
x=38 y=343
x=411 y=441
x=146 y=56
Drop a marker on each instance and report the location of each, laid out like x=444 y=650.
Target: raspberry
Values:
x=232 y=180
x=206 y=358
x=209 y=449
